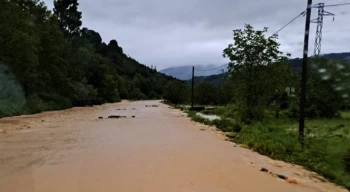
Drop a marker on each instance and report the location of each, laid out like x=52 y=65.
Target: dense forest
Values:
x=48 y=61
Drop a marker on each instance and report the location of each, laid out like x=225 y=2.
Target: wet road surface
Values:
x=158 y=150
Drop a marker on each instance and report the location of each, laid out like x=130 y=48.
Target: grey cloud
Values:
x=191 y=32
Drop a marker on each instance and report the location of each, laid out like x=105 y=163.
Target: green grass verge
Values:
x=327 y=141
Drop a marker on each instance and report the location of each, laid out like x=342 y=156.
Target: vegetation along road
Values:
x=160 y=149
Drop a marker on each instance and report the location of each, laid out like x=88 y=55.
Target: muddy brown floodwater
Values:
x=158 y=150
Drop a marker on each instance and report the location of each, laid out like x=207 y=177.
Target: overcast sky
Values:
x=170 y=33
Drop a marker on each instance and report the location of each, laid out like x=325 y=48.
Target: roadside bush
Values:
x=248 y=115
x=324 y=150
x=83 y=94
x=229 y=111
x=347 y=161
x=237 y=127
x=37 y=103
x=199 y=119
x=224 y=125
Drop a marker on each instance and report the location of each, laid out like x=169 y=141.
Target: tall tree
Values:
x=92 y=37
x=252 y=58
x=68 y=15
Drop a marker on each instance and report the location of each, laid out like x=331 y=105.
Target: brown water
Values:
x=159 y=150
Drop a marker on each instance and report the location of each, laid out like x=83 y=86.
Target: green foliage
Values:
x=12 y=97
x=258 y=70
x=68 y=15
x=327 y=88
x=215 y=89
x=83 y=94
x=227 y=125
x=205 y=93
x=136 y=94
x=225 y=92
x=326 y=149
x=176 y=92
x=46 y=102
x=347 y=161
x=51 y=64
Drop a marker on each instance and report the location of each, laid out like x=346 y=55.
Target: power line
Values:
x=302 y=13
x=210 y=69
x=334 y=5
x=291 y=32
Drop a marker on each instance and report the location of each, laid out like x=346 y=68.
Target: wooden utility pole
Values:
x=304 y=74
x=192 y=87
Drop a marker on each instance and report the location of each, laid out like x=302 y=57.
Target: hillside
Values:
x=53 y=63
x=295 y=65
x=214 y=79
x=185 y=72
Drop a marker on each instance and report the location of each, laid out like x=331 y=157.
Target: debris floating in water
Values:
x=151 y=105
x=281 y=176
x=116 y=117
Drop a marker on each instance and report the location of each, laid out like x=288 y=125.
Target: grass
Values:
x=345 y=114
x=327 y=141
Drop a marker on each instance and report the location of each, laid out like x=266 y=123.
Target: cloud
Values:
x=191 y=32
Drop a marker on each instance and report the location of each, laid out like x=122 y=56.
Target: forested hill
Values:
x=48 y=61
x=295 y=66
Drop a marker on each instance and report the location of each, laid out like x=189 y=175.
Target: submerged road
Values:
x=158 y=150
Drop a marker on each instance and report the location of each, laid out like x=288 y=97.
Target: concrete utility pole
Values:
x=319 y=22
x=304 y=74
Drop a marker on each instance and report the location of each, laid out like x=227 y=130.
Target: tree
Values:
x=327 y=88
x=122 y=88
x=12 y=97
x=113 y=46
x=68 y=16
x=225 y=92
x=92 y=37
x=49 y=64
x=205 y=93
x=19 y=40
x=176 y=92
x=252 y=56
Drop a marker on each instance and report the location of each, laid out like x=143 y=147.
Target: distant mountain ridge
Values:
x=185 y=72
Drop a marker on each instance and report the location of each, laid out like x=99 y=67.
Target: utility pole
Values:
x=192 y=87
x=304 y=74
x=319 y=22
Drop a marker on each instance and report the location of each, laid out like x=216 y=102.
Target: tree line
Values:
x=261 y=78
x=48 y=61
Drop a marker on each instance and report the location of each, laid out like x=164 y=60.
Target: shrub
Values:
x=224 y=125
x=37 y=103
x=83 y=94
x=237 y=127
x=347 y=161
x=12 y=97
x=248 y=115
